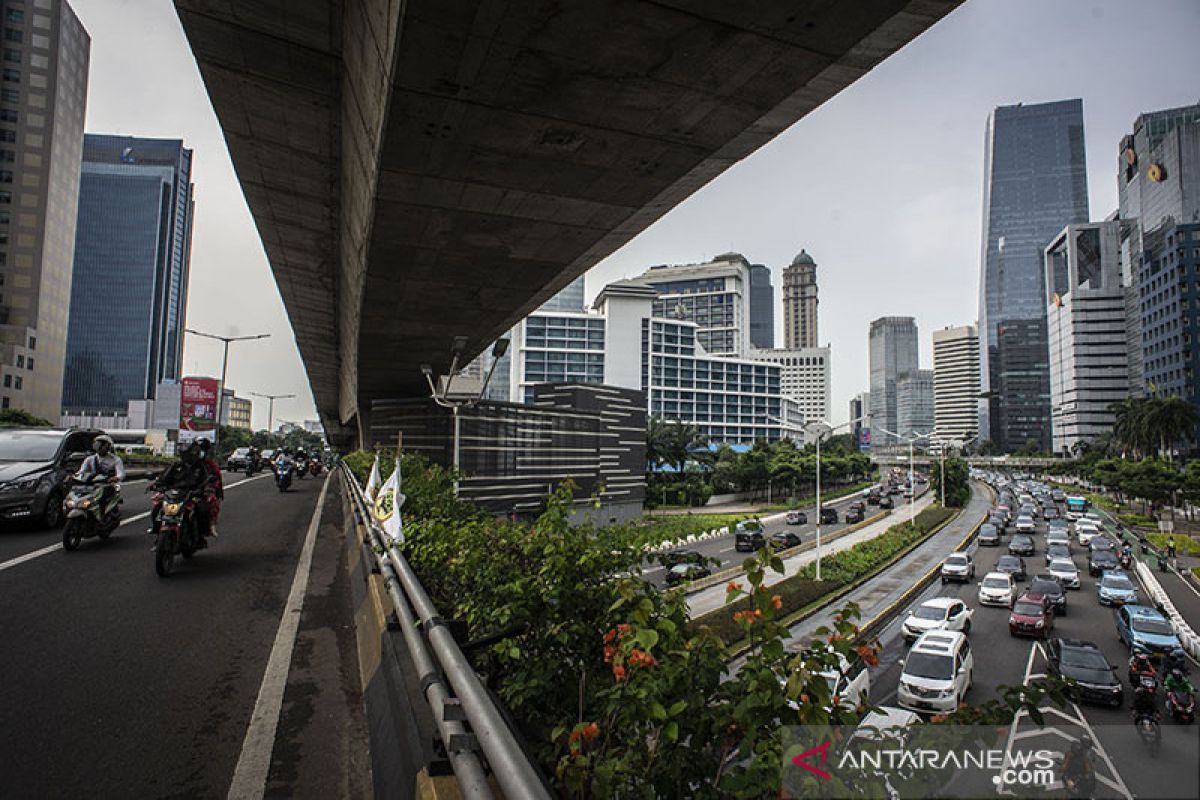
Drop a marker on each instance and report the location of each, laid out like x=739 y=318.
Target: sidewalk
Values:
x=714 y=597
x=877 y=595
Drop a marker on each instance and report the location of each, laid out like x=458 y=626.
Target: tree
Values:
x=986 y=448
x=16 y=418
x=1168 y=420
x=958 y=488
x=1153 y=480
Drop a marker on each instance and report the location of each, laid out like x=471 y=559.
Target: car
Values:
x=850 y=683
x=1058 y=495
x=748 y=535
x=1081 y=661
x=784 y=540
x=989 y=535
x=1058 y=535
x=857 y=505
x=673 y=557
x=854 y=515
x=237 y=459
x=1146 y=628
x=885 y=723
x=937 y=614
x=1100 y=543
x=958 y=567
x=1065 y=572
x=997 y=589
x=267 y=455
x=1057 y=550
x=873 y=500
x=1021 y=545
x=829 y=516
x=1048 y=587
x=1049 y=513
x=1030 y=616
x=1101 y=560
x=937 y=673
x=908 y=492
x=796 y=518
x=1086 y=534
x=34 y=465
x=886 y=502
x=1011 y=565
x=999 y=520
x=1058 y=524
x=1024 y=524
x=1115 y=588
x=682 y=573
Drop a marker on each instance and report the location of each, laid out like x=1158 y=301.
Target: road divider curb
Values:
x=1187 y=636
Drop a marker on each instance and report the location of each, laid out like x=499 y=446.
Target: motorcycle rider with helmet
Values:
x=1139 y=665
x=214 y=491
x=105 y=462
x=1178 y=683
x=1077 y=768
x=190 y=474
x=1144 y=704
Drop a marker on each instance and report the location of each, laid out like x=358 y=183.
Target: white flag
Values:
x=387 y=507
x=373 y=480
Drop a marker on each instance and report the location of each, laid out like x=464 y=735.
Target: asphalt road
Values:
x=120 y=684
x=1002 y=660
x=721 y=547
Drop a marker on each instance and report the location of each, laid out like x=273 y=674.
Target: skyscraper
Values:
x=893 y=353
x=860 y=406
x=132 y=254
x=762 y=307
x=914 y=402
x=715 y=295
x=1035 y=182
x=42 y=106
x=956 y=382
x=800 y=302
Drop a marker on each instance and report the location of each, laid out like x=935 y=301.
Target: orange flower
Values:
x=618 y=672
x=777 y=601
x=640 y=658
x=762 y=589
x=758 y=613
x=733 y=586
x=612 y=634
x=591 y=731
x=622 y=629
x=610 y=650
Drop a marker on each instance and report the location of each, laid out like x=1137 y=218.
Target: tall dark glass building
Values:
x=133 y=242
x=762 y=307
x=1035 y=184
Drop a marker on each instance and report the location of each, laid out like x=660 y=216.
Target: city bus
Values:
x=1076 y=505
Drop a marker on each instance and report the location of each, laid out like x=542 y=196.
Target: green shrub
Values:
x=1184 y=545
x=1135 y=520
x=794 y=593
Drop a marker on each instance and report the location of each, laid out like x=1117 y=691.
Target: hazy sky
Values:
x=882 y=185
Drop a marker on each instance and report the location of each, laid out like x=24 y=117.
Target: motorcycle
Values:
x=1083 y=785
x=283 y=474
x=1141 y=671
x=177 y=532
x=1148 y=731
x=315 y=467
x=1182 y=706
x=1125 y=561
x=252 y=466
x=84 y=510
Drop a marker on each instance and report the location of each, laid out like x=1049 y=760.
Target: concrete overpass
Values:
x=427 y=169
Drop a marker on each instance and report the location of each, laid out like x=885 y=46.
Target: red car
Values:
x=1031 y=616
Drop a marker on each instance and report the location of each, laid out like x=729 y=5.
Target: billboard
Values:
x=864 y=440
x=197 y=409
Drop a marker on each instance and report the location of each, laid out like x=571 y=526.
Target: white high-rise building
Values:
x=893 y=352
x=956 y=382
x=715 y=295
x=804 y=378
x=914 y=403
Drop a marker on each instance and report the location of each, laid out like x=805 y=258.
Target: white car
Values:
x=997 y=589
x=850 y=684
x=1064 y=569
x=937 y=673
x=938 y=614
x=958 y=567
x=1024 y=524
x=1058 y=535
x=1085 y=533
x=885 y=723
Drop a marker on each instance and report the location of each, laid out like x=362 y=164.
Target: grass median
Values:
x=801 y=592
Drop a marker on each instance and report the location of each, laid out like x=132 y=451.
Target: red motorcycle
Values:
x=315 y=467
x=176 y=529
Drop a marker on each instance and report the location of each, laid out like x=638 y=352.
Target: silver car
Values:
x=1064 y=569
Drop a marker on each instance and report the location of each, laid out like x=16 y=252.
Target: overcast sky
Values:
x=882 y=185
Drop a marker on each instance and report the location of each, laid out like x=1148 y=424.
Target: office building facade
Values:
x=860 y=408
x=892 y=352
x=132 y=255
x=956 y=382
x=1086 y=325
x=804 y=378
x=236 y=411
x=1169 y=287
x=762 y=307
x=1035 y=182
x=42 y=103
x=800 y=302
x=915 y=413
x=714 y=295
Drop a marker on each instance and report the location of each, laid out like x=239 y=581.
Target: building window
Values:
x=10 y=95
x=8 y=115
x=29 y=363
x=7 y=382
x=13 y=35
x=3 y=402
x=12 y=56
x=17 y=382
x=33 y=343
x=20 y=360
x=12 y=75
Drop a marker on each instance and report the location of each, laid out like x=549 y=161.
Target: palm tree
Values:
x=1129 y=428
x=1169 y=419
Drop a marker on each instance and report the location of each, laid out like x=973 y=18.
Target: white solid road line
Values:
x=15 y=562
x=250 y=776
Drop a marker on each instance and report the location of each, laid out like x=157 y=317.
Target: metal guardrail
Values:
x=435 y=654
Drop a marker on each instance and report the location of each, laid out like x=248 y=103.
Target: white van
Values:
x=937 y=673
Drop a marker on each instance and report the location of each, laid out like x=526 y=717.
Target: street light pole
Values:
x=271 y=406
x=224 y=365
x=912 y=486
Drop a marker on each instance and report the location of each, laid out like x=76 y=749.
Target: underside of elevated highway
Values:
x=426 y=169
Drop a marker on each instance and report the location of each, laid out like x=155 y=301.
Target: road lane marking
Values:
x=16 y=562
x=254 y=763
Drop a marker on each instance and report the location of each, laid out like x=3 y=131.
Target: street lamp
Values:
x=942 y=442
x=443 y=395
x=224 y=364
x=271 y=407
x=912 y=484
x=818 y=428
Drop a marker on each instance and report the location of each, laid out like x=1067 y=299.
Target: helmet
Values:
x=102 y=443
x=188 y=452
x=204 y=444
x=1177 y=674
x=1085 y=741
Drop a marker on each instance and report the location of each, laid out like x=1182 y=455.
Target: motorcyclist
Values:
x=1174 y=660
x=214 y=491
x=188 y=473
x=1077 y=765
x=1144 y=704
x=103 y=462
x=1178 y=683
x=1140 y=664
x=253 y=458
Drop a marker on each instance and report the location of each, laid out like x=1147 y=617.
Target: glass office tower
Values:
x=129 y=291
x=1035 y=184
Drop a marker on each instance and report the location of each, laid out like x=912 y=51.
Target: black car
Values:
x=1096 y=681
x=998 y=519
x=829 y=516
x=673 y=557
x=1048 y=585
x=886 y=502
x=34 y=463
x=873 y=500
x=1100 y=542
x=784 y=539
x=1049 y=513
x=1057 y=550
x=681 y=573
x=1101 y=560
x=989 y=535
x=1013 y=565
x=749 y=537
x=1021 y=545
x=854 y=515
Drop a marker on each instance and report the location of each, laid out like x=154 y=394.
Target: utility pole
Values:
x=224 y=365
x=271 y=406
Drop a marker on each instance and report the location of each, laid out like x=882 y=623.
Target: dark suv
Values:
x=34 y=462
